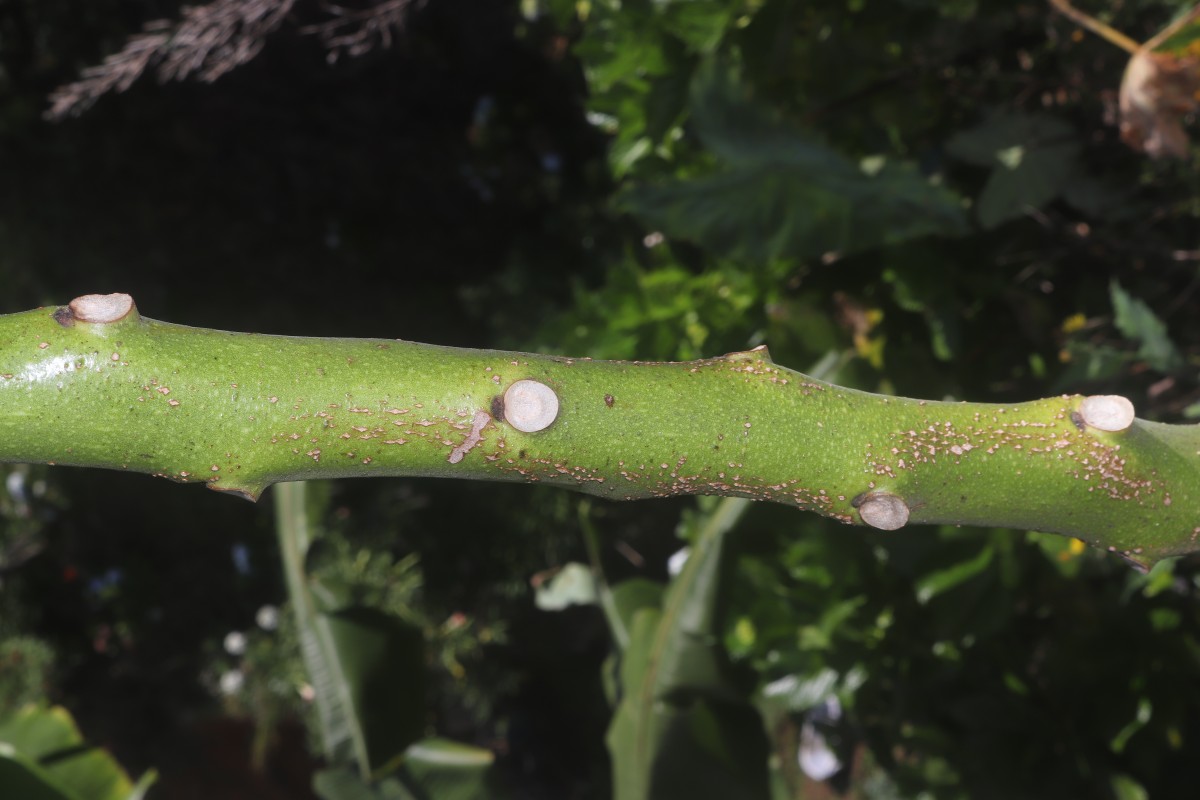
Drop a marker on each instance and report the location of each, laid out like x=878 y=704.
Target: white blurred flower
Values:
x=815 y=757
x=267 y=618
x=232 y=681
x=675 y=562
x=15 y=483
x=235 y=643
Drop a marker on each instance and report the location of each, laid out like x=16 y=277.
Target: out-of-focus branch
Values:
x=357 y=32
x=211 y=40
x=1106 y=32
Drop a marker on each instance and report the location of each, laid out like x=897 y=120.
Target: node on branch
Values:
x=101 y=308
x=887 y=512
x=1107 y=412
x=530 y=406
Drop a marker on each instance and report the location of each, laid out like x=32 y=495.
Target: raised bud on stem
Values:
x=530 y=406
x=887 y=512
x=101 y=308
x=1107 y=412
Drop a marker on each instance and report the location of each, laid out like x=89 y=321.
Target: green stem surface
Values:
x=241 y=411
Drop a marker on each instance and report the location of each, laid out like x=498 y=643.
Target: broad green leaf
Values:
x=338 y=783
x=623 y=604
x=382 y=662
x=432 y=769
x=1126 y=788
x=1136 y=321
x=366 y=667
x=448 y=770
x=683 y=729
x=22 y=777
x=779 y=191
x=634 y=595
x=1089 y=362
x=619 y=605
x=1033 y=159
x=43 y=748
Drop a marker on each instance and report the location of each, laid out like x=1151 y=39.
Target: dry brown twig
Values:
x=357 y=32
x=210 y=40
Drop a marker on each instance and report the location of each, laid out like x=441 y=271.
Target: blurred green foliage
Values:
x=919 y=197
x=43 y=757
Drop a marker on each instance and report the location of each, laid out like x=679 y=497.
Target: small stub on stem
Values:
x=887 y=512
x=101 y=308
x=1107 y=412
x=530 y=406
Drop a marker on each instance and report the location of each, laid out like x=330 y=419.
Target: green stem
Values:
x=241 y=411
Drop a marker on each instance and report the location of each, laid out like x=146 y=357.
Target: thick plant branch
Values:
x=95 y=384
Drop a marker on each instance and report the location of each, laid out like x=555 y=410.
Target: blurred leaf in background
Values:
x=778 y=191
x=1032 y=159
x=1137 y=322
x=43 y=757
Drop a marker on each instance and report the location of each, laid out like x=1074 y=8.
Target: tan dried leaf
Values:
x=1161 y=85
x=1157 y=92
